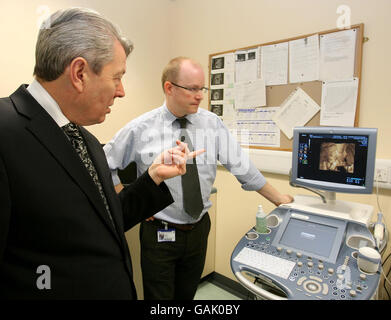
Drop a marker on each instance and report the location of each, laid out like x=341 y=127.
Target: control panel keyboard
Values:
x=265 y=262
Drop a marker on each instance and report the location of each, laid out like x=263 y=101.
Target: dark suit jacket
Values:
x=51 y=212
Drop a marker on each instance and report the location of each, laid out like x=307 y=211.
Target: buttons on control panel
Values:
x=313 y=285
x=312 y=277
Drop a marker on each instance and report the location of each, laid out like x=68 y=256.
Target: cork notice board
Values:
x=277 y=94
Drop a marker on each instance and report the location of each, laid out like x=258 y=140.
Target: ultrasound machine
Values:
x=318 y=247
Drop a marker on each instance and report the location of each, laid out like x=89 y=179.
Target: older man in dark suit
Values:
x=61 y=222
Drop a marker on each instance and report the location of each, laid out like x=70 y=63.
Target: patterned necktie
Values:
x=192 y=198
x=74 y=136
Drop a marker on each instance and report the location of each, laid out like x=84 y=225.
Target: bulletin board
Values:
x=276 y=95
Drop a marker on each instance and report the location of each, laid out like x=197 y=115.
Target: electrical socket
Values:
x=381 y=175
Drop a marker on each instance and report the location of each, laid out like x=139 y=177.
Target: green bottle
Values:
x=261 y=226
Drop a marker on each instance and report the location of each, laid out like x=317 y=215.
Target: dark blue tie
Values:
x=192 y=198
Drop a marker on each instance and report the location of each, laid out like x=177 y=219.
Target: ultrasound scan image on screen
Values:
x=338 y=157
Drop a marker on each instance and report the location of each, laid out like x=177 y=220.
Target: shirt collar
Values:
x=47 y=102
x=170 y=118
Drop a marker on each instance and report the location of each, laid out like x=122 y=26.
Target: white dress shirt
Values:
x=145 y=137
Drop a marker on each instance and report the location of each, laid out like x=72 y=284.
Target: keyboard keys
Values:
x=265 y=262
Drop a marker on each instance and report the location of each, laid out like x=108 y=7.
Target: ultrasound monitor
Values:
x=335 y=159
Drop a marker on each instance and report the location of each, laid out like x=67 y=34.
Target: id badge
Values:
x=164 y=235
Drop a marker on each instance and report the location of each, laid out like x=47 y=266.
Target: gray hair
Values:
x=76 y=32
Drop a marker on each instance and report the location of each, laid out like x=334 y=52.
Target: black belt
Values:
x=182 y=227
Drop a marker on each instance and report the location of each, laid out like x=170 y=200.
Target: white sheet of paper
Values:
x=229 y=94
x=255 y=127
x=257 y=114
x=228 y=112
x=250 y=94
x=274 y=63
x=260 y=139
x=246 y=65
x=337 y=53
x=339 y=100
x=295 y=111
x=304 y=59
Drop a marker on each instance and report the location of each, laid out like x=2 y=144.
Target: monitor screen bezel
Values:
x=339 y=224
x=332 y=186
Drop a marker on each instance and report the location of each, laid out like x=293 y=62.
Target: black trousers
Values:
x=172 y=270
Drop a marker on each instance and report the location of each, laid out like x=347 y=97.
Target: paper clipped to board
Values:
x=296 y=110
x=337 y=55
x=304 y=59
x=250 y=94
x=246 y=65
x=339 y=100
x=274 y=63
